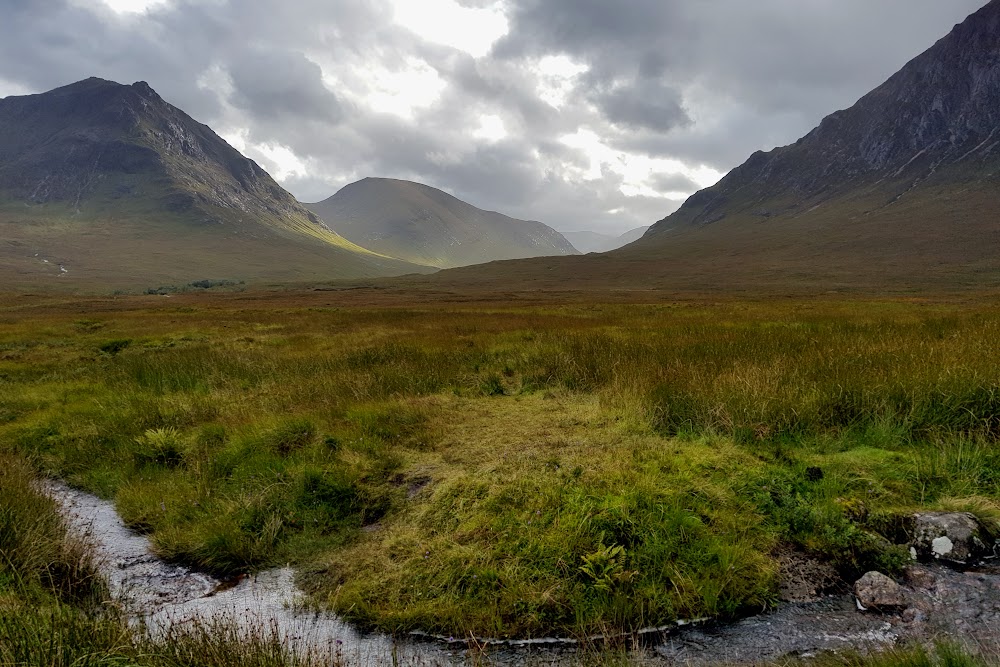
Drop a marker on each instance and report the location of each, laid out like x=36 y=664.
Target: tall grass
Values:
x=55 y=610
x=38 y=560
x=516 y=470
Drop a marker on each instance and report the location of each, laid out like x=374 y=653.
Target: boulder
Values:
x=952 y=537
x=875 y=591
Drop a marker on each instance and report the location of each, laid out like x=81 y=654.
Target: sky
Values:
x=583 y=114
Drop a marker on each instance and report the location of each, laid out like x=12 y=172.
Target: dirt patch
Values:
x=805 y=578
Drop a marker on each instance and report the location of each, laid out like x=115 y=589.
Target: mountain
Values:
x=906 y=177
x=587 y=241
x=118 y=186
x=901 y=191
x=424 y=225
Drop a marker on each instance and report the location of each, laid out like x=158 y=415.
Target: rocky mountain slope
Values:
x=935 y=122
x=424 y=225
x=120 y=185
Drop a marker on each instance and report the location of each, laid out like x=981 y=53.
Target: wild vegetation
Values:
x=510 y=470
x=54 y=607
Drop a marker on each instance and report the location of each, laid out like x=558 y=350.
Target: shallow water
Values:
x=163 y=595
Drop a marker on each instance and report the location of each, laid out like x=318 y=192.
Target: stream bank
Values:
x=942 y=602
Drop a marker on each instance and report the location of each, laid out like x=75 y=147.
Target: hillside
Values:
x=118 y=187
x=904 y=182
x=587 y=241
x=424 y=225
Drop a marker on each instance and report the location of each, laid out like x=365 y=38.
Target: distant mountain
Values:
x=116 y=185
x=586 y=241
x=424 y=225
x=900 y=191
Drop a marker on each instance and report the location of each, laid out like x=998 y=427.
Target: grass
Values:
x=512 y=470
x=139 y=247
x=938 y=655
x=39 y=561
x=53 y=602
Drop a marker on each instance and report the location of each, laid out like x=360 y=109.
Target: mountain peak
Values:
x=940 y=112
x=93 y=141
x=120 y=158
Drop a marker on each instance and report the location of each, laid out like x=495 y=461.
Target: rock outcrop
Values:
x=952 y=537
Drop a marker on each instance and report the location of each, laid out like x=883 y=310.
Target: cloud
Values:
x=272 y=84
x=638 y=105
x=673 y=183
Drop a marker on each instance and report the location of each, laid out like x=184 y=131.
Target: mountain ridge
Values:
x=588 y=241
x=899 y=192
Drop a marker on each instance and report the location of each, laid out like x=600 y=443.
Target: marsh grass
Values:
x=940 y=654
x=515 y=470
x=38 y=560
x=66 y=636
x=54 y=604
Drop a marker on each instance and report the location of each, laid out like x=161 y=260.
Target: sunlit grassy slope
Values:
x=134 y=248
x=512 y=470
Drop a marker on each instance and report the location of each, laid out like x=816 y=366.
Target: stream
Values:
x=964 y=606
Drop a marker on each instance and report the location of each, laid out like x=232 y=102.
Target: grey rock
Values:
x=952 y=537
x=920 y=578
x=875 y=591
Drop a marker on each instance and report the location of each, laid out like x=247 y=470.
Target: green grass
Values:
x=942 y=654
x=53 y=602
x=38 y=561
x=515 y=470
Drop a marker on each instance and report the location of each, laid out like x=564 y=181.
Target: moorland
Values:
x=771 y=381
x=508 y=469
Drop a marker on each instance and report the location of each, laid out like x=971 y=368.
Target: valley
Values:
x=393 y=427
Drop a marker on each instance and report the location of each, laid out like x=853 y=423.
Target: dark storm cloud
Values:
x=780 y=64
x=49 y=43
x=637 y=105
x=497 y=85
x=705 y=83
x=273 y=84
x=583 y=27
